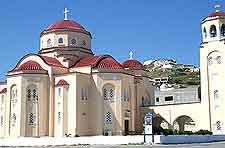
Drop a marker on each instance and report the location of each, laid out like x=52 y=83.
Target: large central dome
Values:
x=66 y=24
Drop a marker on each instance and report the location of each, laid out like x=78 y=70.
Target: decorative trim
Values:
x=64 y=30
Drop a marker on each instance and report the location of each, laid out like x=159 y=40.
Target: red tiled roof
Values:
x=51 y=61
x=4 y=90
x=133 y=64
x=29 y=65
x=62 y=82
x=109 y=63
x=90 y=61
x=214 y=14
x=100 y=61
x=66 y=24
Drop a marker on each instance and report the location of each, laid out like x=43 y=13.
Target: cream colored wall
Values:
x=85 y=69
x=3 y=98
x=70 y=112
x=22 y=81
x=61 y=126
x=195 y=111
x=14 y=131
x=67 y=37
x=128 y=85
x=80 y=37
x=83 y=105
x=115 y=106
x=144 y=90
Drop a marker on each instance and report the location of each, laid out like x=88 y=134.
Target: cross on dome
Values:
x=217 y=7
x=66 y=11
x=131 y=55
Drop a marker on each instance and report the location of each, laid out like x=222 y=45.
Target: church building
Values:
x=65 y=89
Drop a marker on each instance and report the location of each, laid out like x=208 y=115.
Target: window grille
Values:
x=210 y=61
x=218 y=125
x=1 y=121
x=59 y=117
x=108 y=118
x=218 y=59
x=13 y=120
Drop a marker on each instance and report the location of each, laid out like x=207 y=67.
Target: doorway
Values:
x=126 y=127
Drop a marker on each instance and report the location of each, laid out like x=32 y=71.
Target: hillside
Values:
x=178 y=74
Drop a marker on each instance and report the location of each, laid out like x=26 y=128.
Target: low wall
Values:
x=138 y=139
x=181 y=139
x=45 y=141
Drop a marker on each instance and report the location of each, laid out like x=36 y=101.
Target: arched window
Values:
x=32 y=106
x=60 y=40
x=216 y=94
x=49 y=43
x=142 y=101
x=222 y=30
x=108 y=92
x=210 y=61
x=73 y=42
x=218 y=59
x=204 y=33
x=13 y=104
x=13 y=120
x=84 y=43
x=108 y=118
x=213 y=31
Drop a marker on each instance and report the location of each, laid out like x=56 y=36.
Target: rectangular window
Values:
x=157 y=99
x=59 y=92
x=169 y=98
x=59 y=117
x=1 y=121
x=82 y=94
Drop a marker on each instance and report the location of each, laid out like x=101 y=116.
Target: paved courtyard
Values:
x=201 y=145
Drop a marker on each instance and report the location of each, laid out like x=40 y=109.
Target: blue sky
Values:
x=150 y=28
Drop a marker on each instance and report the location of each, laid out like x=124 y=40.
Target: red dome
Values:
x=29 y=65
x=133 y=65
x=66 y=24
x=109 y=63
x=214 y=14
x=62 y=82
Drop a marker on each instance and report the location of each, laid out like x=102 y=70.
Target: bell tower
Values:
x=212 y=63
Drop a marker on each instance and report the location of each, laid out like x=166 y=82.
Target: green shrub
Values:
x=203 y=132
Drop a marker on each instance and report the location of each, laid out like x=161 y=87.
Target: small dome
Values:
x=214 y=14
x=66 y=24
x=62 y=82
x=133 y=65
x=29 y=65
x=109 y=63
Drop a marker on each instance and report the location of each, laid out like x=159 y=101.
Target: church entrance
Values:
x=126 y=127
